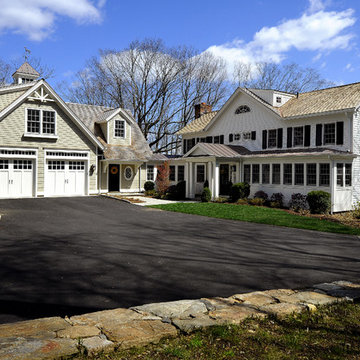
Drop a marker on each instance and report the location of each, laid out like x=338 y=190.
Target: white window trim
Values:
x=41 y=134
x=132 y=173
x=276 y=139
x=323 y=139
x=303 y=136
x=119 y=137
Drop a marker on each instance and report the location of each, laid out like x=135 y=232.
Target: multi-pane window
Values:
x=329 y=133
x=276 y=173
x=287 y=174
x=272 y=139
x=172 y=175
x=200 y=173
x=33 y=121
x=299 y=174
x=119 y=128
x=247 y=173
x=56 y=165
x=247 y=135
x=150 y=173
x=128 y=173
x=278 y=99
x=76 y=165
x=181 y=173
x=340 y=174
x=22 y=164
x=348 y=174
x=48 y=122
x=311 y=174
x=324 y=175
x=255 y=173
x=265 y=173
x=40 y=122
x=299 y=136
x=4 y=164
x=237 y=137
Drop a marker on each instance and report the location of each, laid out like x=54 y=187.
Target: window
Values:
x=77 y=165
x=276 y=173
x=278 y=99
x=247 y=135
x=181 y=173
x=242 y=109
x=56 y=165
x=340 y=174
x=272 y=139
x=265 y=173
x=329 y=134
x=299 y=136
x=287 y=174
x=200 y=173
x=150 y=173
x=216 y=139
x=172 y=175
x=299 y=174
x=311 y=174
x=237 y=137
x=247 y=173
x=119 y=129
x=255 y=173
x=128 y=173
x=348 y=174
x=4 y=164
x=324 y=175
x=22 y=164
x=40 y=122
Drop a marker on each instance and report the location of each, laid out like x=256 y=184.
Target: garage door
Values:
x=16 y=178
x=65 y=178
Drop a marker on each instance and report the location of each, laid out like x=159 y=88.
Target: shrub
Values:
x=240 y=191
x=206 y=195
x=149 y=185
x=181 y=190
x=221 y=200
x=319 y=202
x=206 y=184
x=171 y=192
x=151 y=193
x=257 y=201
x=277 y=200
x=356 y=212
x=242 y=202
x=261 y=195
x=298 y=202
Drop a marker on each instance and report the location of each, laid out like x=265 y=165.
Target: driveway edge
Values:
x=104 y=331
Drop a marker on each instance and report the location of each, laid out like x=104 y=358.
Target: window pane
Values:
x=287 y=174
x=276 y=173
x=265 y=173
x=340 y=174
x=33 y=121
x=299 y=136
x=255 y=173
x=119 y=128
x=348 y=171
x=150 y=173
x=247 y=173
x=172 y=173
x=181 y=172
x=200 y=173
x=299 y=174
x=48 y=122
x=311 y=174
x=324 y=179
x=329 y=134
x=272 y=139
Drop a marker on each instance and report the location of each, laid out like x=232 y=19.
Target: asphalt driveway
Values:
x=72 y=255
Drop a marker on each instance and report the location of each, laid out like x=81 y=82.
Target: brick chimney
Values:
x=201 y=109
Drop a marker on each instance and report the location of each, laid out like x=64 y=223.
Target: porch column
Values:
x=187 y=177
x=216 y=179
x=191 y=180
x=209 y=177
x=332 y=185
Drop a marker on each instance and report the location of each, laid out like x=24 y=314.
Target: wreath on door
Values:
x=114 y=170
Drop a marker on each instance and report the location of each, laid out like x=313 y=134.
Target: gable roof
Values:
x=197 y=124
x=26 y=69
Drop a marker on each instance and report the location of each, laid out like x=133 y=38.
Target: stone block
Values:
x=78 y=331
x=307 y=297
x=257 y=298
x=97 y=344
x=282 y=309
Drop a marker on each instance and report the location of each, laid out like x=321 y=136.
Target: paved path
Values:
x=68 y=256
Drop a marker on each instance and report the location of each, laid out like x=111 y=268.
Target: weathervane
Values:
x=27 y=53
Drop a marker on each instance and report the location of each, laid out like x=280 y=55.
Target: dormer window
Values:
x=278 y=99
x=242 y=109
x=119 y=129
x=40 y=122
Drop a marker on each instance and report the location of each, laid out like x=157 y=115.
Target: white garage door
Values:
x=16 y=178
x=65 y=178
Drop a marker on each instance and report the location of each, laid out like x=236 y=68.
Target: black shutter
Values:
x=264 y=139
x=253 y=135
x=307 y=135
x=289 y=137
x=197 y=140
x=209 y=139
x=221 y=139
x=231 y=137
x=318 y=134
x=340 y=133
x=193 y=142
x=184 y=146
x=280 y=138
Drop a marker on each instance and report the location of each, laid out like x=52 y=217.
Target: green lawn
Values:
x=261 y=215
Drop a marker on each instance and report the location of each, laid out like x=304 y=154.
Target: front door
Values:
x=114 y=177
x=224 y=179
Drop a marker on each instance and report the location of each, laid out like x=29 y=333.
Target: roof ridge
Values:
x=330 y=87
x=90 y=105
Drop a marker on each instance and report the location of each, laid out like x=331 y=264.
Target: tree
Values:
x=162 y=179
x=289 y=77
x=159 y=85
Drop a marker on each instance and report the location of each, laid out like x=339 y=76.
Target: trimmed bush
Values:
x=151 y=193
x=356 y=211
x=298 y=202
x=206 y=184
x=261 y=195
x=206 y=195
x=221 y=200
x=171 y=192
x=240 y=191
x=257 y=201
x=319 y=202
x=149 y=185
x=181 y=190
x=277 y=200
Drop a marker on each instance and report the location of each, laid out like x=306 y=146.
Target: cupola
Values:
x=25 y=74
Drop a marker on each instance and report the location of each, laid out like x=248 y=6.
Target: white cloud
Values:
x=319 y=31
x=36 y=18
x=349 y=67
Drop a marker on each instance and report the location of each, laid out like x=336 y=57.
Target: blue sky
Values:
x=323 y=34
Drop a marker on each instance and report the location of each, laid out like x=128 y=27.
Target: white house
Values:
x=278 y=142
